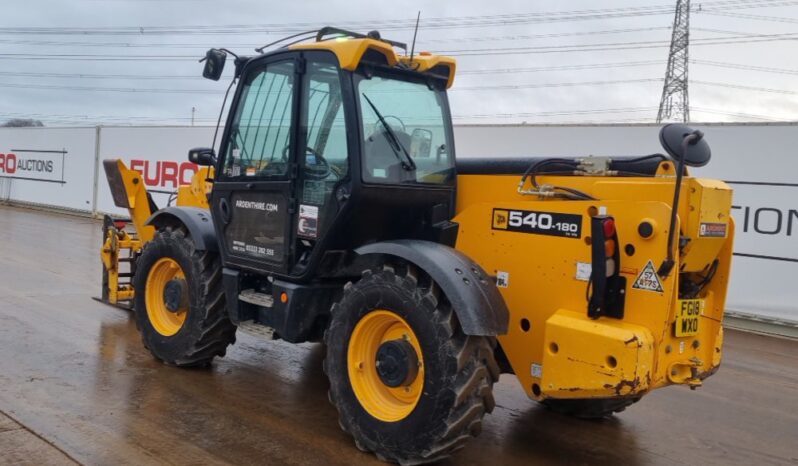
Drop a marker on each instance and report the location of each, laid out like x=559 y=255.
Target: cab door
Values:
x=252 y=198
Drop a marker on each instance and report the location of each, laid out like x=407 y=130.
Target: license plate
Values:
x=688 y=314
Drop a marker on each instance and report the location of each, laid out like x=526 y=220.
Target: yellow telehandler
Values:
x=336 y=211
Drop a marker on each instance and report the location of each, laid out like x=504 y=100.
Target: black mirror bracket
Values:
x=690 y=139
x=202 y=156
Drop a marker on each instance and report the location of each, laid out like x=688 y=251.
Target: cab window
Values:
x=260 y=136
x=326 y=161
x=407 y=128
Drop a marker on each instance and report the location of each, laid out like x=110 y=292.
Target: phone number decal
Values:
x=541 y=223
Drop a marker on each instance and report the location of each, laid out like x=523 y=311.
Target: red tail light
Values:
x=607 y=287
x=609 y=228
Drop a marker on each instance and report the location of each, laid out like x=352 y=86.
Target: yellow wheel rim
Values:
x=164 y=321
x=385 y=403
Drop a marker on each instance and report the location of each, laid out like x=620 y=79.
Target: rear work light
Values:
x=606 y=287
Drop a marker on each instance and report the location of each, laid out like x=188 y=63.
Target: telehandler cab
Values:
x=337 y=212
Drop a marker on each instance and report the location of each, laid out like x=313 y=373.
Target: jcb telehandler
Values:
x=336 y=211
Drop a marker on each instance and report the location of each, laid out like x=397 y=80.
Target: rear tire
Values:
x=588 y=408
x=458 y=370
x=201 y=330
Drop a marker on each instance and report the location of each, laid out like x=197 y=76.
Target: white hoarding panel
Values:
x=160 y=154
x=48 y=166
x=56 y=167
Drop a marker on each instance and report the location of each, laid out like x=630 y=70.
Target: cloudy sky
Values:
x=86 y=62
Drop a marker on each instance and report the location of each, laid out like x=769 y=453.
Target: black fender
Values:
x=196 y=220
x=477 y=302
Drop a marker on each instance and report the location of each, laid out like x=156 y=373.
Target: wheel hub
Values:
x=166 y=296
x=397 y=363
x=385 y=365
x=175 y=295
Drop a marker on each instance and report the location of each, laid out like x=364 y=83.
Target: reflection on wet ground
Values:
x=74 y=372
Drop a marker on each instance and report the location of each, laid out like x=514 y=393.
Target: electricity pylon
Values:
x=675 y=102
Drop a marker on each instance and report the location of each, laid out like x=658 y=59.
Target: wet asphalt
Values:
x=77 y=386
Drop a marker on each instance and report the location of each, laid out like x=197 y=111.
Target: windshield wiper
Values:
x=408 y=164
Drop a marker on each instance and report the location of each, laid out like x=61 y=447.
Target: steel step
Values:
x=255 y=329
x=258 y=299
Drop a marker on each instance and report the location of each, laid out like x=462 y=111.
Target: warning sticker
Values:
x=712 y=230
x=308 y=221
x=583 y=271
x=648 y=279
x=502 y=279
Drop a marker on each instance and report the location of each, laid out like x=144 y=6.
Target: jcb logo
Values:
x=500 y=218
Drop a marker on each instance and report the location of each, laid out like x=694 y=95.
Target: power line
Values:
x=408 y=23
x=562 y=84
x=466 y=72
x=194 y=45
x=591 y=66
x=32 y=74
x=94 y=57
x=737 y=66
x=729 y=14
x=734 y=114
x=746 y=38
x=746 y=88
x=469 y=88
x=110 y=89
x=557 y=113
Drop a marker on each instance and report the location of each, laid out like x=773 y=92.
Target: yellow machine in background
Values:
x=594 y=280
x=122 y=245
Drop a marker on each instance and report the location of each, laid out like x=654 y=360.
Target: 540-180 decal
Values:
x=541 y=223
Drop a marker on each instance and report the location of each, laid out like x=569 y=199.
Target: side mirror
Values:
x=695 y=151
x=214 y=64
x=203 y=156
x=421 y=143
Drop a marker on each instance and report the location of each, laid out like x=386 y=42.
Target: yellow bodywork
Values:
x=554 y=348
x=350 y=52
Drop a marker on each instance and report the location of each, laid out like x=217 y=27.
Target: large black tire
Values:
x=207 y=330
x=460 y=370
x=587 y=408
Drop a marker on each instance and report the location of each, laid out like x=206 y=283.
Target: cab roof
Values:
x=353 y=49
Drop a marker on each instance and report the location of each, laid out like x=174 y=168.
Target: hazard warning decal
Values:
x=648 y=279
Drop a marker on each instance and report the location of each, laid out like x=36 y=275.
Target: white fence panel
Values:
x=758 y=160
x=159 y=153
x=48 y=166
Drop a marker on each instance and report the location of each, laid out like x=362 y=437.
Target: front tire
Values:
x=179 y=301
x=384 y=326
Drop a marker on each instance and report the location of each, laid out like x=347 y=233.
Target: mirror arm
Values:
x=689 y=140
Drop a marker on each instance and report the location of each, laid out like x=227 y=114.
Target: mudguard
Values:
x=196 y=220
x=477 y=302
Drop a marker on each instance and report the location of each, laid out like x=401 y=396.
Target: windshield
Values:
x=407 y=132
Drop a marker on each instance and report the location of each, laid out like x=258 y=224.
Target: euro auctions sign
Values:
x=164 y=174
x=33 y=164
